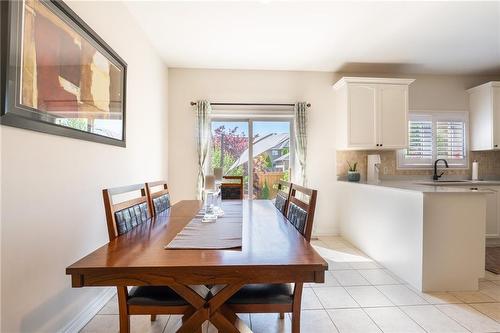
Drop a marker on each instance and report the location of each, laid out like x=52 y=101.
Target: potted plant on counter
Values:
x=353 y=173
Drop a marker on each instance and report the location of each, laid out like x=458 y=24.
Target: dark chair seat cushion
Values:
x=263 y=294
x=154 y=296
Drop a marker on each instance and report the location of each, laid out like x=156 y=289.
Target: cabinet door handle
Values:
x=377 y=144
x=496 y=145
x=381 y=145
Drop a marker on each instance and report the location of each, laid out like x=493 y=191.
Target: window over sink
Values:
x=434 y=135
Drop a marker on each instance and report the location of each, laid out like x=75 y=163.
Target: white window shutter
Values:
x=450 y=140
x=435 y=135
x=419 y=140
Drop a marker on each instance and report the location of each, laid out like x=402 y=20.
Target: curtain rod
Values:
x=253 y=104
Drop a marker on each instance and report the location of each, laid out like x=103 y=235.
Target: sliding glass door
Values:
x=271 y=150
x=271 y=162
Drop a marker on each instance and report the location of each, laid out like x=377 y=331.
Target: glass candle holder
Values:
x=210 y=212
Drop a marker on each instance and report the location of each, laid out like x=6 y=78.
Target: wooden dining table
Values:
x=272 y=251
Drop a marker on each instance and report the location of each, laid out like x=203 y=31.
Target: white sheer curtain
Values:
x=301 y=138
x=203 y=110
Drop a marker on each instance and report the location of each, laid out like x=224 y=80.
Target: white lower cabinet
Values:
x=492 y=216
x=492 y=213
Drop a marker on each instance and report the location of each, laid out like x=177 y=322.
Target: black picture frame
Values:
x=12 y=113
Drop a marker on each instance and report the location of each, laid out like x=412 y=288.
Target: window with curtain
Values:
x=435 y=135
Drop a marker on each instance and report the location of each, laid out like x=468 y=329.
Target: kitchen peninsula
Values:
x=433 y=237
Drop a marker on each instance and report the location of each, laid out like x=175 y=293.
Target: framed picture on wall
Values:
x=58 y=76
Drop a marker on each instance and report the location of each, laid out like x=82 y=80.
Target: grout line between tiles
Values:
x=333 y=321
x=484 y=313
x=405 y=314
x=426 y=302
x=452 y=318
x=373 y=321
x=166 y=324
x=434 y=305
x=319 y=300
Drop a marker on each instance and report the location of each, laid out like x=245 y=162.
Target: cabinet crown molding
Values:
x=351 y=79
x=484 y=85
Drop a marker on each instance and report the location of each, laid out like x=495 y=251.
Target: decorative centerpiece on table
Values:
x=212 y=193
x=210 y=198
x=218 y=174
x=353 y=173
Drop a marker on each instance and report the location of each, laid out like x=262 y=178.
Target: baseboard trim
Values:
x=325 y=234
x=89 y=312
x=493 y=241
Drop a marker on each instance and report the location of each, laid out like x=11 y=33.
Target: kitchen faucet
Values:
x=436 y=176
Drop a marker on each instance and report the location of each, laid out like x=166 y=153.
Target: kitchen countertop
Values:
x=459 y=182
x=429 y=186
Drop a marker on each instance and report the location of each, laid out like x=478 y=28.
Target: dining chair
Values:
x=282 y=196
x=159 y=201
x=281 y=298
x=123 y=217
x=301 y=208
x=233 y=189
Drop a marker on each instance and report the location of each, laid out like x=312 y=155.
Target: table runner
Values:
x=225 y=233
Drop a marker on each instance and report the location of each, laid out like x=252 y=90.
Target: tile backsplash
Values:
x=489 y=164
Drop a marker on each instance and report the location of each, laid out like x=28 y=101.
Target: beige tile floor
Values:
x=358 y=295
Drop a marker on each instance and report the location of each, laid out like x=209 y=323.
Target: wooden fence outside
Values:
x=271 y=178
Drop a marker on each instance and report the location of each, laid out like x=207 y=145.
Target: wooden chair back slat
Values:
x=302 y=189
x=159 y=193
x=297 y=194
x=129 y=203
x=299 y=203
x=111 y=208
x=125 y=189
x=284 y=186
x=157 y=183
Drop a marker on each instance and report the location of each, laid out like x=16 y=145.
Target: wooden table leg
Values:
x=192 y=320
x=186 y=316
x=223 y=318
x=223 y=324
x=235 y=320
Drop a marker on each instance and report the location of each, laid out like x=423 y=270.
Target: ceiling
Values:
x=406 y=37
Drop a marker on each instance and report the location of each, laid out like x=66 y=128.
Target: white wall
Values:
x=52 y=212
x=446 y=93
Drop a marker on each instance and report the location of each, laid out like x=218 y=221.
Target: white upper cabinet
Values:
x=393 y=132
x=484 y=111
x=363 y=117
x=372 y=113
